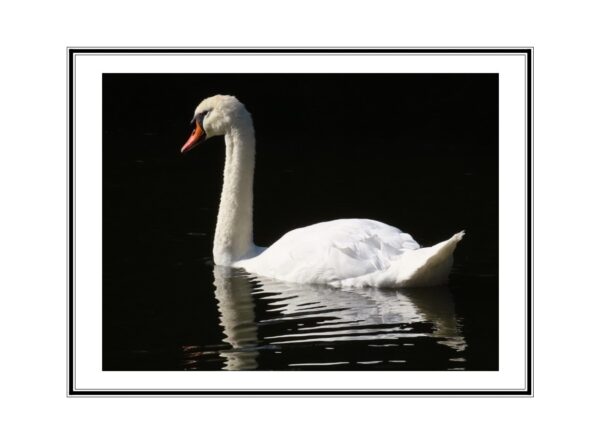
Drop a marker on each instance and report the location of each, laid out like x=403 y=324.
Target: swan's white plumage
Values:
x=331 y=251
x=346 y=252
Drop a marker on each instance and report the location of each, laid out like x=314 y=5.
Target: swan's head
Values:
x=214 y=117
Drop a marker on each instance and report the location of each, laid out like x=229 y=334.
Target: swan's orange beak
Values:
x=197 y=136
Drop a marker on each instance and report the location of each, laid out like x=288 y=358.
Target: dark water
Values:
x=167 y=307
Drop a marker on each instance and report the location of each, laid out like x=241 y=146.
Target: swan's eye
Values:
x=200 y=117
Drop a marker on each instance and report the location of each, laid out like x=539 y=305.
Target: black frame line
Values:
x=71 y=54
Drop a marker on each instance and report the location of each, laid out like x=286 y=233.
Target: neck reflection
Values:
x=236 y=314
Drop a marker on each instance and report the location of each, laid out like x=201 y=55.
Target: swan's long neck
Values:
x=233 y=235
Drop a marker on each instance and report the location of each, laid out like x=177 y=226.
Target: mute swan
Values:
x=346 y=252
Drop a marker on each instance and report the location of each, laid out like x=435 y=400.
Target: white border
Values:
x=88 y=71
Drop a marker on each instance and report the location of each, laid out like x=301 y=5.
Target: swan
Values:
x=339 y=253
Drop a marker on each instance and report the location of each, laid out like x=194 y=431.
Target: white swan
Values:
x=347 y=252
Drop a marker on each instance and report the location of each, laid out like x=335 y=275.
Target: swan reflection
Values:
x=292 y=315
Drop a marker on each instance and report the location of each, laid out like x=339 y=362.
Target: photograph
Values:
x=323 y=215
x=310 y=221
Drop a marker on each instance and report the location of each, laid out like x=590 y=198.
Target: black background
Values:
x=416 y=151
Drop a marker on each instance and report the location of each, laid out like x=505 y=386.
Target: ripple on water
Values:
x=268 y=324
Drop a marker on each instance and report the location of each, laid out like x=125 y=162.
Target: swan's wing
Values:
x=333 y=250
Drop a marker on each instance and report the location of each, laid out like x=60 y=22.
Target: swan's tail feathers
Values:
x=428 y=266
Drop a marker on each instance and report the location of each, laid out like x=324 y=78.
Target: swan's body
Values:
x=347 y=252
